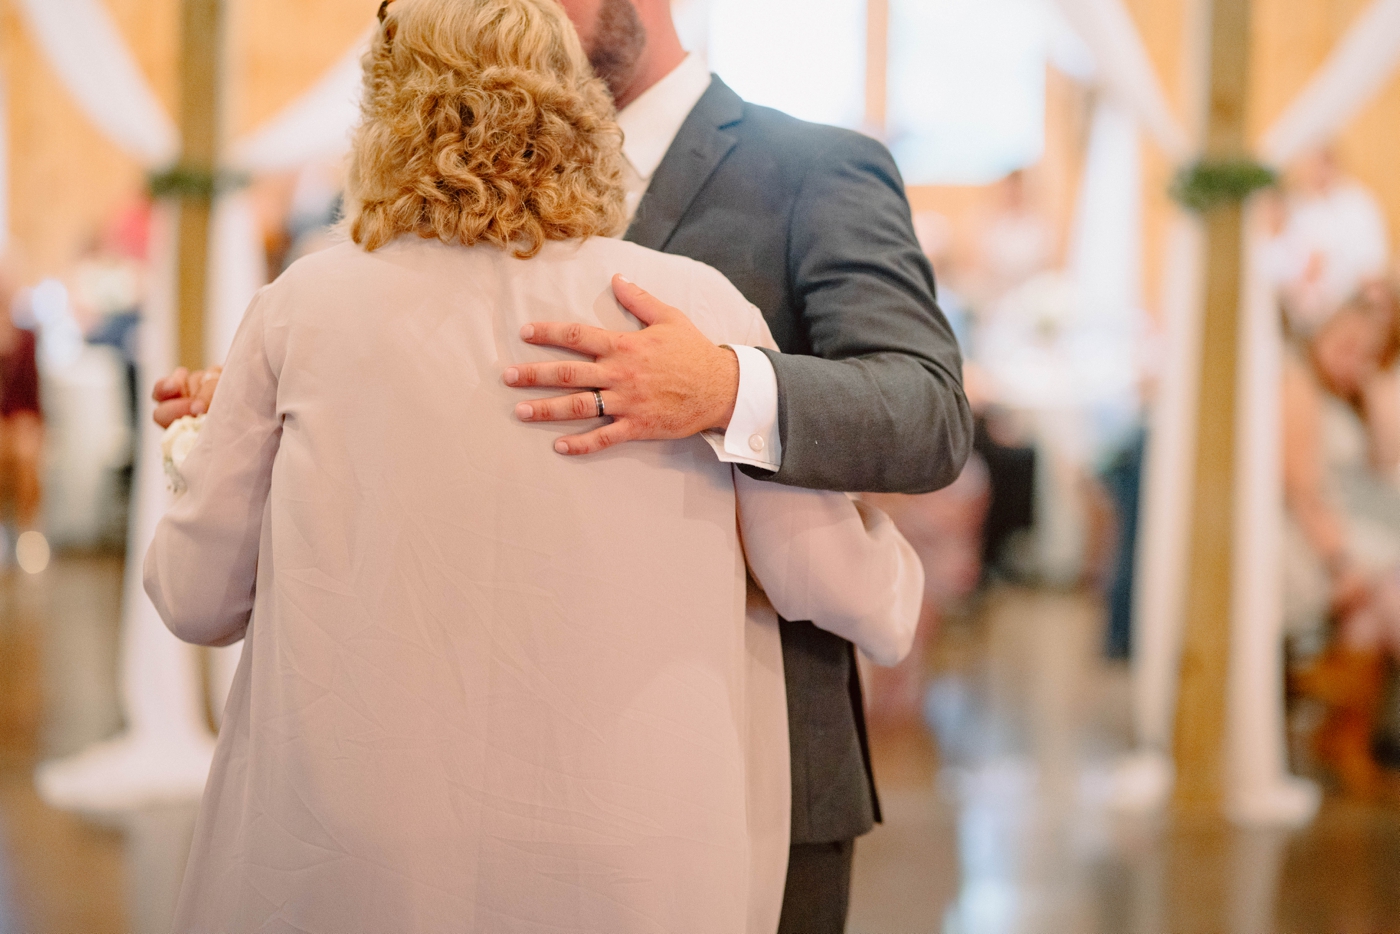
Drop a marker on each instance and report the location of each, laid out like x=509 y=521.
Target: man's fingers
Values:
x=583 y=338
x=647 y=308
x=167 y=412
x=596 y=440
x=565 y=374
x=580 y=405
x=172 y=386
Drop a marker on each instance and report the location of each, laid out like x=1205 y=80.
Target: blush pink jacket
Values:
x=486 y=687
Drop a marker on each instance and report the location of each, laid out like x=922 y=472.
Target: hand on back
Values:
x=665 y=381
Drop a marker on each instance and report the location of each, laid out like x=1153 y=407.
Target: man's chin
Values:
x=617 y=43
x=617 y=81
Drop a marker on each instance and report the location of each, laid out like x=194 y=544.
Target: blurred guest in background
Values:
x=1334 y=239
x=946 y=530
x=108 y=289
x=1015 y=244
x=21 y=424
x=1122 y=480
x=1343 y=540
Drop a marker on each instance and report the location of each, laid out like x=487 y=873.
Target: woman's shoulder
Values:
x=332 y=260
x=345 y=272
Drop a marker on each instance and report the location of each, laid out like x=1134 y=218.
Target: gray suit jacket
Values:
x=811 y=224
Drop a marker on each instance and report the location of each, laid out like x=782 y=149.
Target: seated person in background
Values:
x=1333 y=239
x=486 y=687
x=21 y=424
x=1342 y=549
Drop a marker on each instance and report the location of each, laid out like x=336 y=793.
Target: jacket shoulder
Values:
x=803 y=141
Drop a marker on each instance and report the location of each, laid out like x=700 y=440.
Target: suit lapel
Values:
x=695 y=153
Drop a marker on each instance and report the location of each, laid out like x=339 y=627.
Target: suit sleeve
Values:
x=879 y=406
x=202 y=565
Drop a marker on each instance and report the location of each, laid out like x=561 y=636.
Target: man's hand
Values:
x=184 y=393
x=665 y=381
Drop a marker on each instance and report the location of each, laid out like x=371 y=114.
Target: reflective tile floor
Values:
x=999 y=831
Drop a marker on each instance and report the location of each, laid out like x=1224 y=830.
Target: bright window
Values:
x=804 y=57
x=965 y=78
x=966 y=88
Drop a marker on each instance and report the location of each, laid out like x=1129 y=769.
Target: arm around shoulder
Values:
x=879 y=405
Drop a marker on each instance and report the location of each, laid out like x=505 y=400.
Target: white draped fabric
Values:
x=1105 y=255
x=313 y=128
x=237 y=270
x=1260 y=788
x=86 y=49
x=1355 y=71
x=160 y=690
x=1107 y=29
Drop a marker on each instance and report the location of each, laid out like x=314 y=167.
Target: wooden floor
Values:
x=1003 y=829
x=1000 y=830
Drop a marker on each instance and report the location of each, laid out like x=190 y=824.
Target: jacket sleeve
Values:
x=879 y=405
x=841 y=564
x=201 y=568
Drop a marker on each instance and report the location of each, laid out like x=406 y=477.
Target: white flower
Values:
x=175 y=445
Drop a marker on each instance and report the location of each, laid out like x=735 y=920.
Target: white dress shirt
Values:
x=650 y=124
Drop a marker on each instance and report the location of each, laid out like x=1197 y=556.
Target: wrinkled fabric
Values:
x=485 y=687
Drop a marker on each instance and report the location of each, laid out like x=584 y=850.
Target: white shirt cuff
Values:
x=753 y=436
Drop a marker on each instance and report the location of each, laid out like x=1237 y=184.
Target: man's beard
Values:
x=618 y=40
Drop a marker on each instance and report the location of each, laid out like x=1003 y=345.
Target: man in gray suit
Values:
x=812 y=225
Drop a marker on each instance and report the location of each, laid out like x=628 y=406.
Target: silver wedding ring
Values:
x=598 y=401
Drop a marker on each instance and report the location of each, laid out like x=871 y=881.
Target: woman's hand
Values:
x=184 y=393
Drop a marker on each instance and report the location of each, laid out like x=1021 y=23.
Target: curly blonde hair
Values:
x=482 y=121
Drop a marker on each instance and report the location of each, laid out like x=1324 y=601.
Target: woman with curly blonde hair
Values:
x=482 y=123
x=485 y=687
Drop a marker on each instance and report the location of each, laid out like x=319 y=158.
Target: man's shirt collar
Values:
x=650 y=123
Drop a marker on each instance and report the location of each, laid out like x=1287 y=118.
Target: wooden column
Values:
x=201 y=72
x=1200 y=723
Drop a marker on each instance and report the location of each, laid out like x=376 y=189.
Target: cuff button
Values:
x=756 y=443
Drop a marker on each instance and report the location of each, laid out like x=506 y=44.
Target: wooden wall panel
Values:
x=281 y=47
x=1292 y=40
x=1165 y=26
x=67 y=179
x=65 y=176
x=1370 y=150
